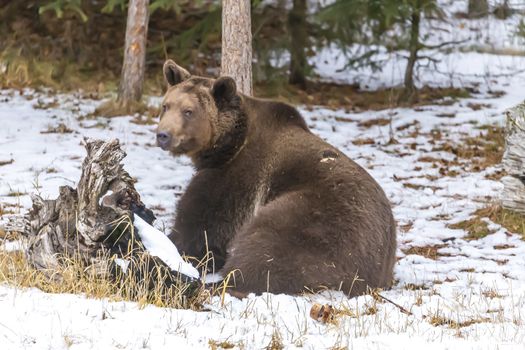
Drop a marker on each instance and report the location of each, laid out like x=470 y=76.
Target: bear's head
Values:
x=199 y=116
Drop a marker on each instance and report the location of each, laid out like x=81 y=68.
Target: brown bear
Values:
x=269 y=199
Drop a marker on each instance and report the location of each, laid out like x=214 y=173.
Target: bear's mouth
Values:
x=177 y=151
x=183 y=147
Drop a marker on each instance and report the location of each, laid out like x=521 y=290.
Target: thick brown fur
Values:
x=271 y=200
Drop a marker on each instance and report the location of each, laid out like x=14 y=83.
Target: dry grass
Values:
x=14 y=193
x=61 y=128
x=365 y=141
x=145 y=282
x=7 y=208
x=476 y=153
x=477 y=228
x=24 y=68
x=76 y=277
x=4 y=210
x=437 y=320
x=488 y=147
x=276 y=342
x=512 y=221
x=24 y=71
x=216 y=345
x=114 y=108
x=374 y=122
x=491 y=293
x=429 y=252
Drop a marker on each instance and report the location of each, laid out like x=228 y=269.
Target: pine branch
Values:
x=443 y=44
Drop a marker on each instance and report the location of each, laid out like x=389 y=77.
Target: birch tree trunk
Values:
x=514 y=160
x=132 y=76
x=236 y=55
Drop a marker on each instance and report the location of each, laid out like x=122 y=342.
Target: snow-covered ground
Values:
x=471 y=295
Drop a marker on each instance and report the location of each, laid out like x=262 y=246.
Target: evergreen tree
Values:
x=392 y=24
x=412 y=12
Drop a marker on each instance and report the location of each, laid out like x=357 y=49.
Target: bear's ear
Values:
x=174 y=74
x=224 y=89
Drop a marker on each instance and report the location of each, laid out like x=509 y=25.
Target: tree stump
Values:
x=514 y=160
x=89 y=221
x=96 y=225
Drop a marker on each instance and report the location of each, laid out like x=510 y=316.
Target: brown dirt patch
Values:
x=373 y=122
x=61 y=128
x=366 y=141
x=429 y=252
x=476 y=153
x=437 y=320
x=351 y=98
x=475 y=227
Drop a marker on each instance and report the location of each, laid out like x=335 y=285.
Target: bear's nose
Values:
x=163 y=139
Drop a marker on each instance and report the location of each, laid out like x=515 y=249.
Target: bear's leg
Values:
x=288 y=248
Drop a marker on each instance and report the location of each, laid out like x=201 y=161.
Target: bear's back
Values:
x=273 y=116
x=294 y=159
x=284 y=141
x=343 y=208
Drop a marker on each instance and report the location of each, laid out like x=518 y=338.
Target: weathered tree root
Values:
x=93 y=222
x=79 y=220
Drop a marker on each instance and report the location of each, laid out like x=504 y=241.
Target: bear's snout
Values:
x=164 y=140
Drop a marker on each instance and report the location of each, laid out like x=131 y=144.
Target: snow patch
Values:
x=159 y=245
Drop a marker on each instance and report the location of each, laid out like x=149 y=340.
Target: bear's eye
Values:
x=164 y=108
x=188 y=113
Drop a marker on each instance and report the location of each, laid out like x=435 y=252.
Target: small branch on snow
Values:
x=402 y=309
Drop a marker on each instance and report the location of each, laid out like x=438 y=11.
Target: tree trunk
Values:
x=478 y=8
x=514 y=160
x=132 y=76
x=503 y=10
x=298 y=43
x=236 y=56
x=410 y=88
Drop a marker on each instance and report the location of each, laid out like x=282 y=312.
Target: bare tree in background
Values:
x=236 y=54
x=409 y=92
x=132 y=76
x=503 y=10
x=478 y=8
x=299 y=41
